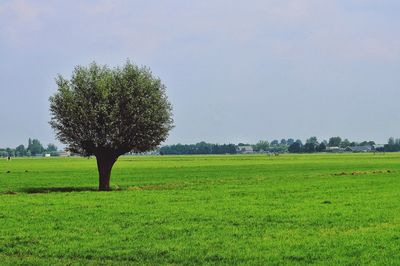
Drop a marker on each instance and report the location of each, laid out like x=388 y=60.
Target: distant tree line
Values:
x=198 y=148
x=34 y=148
x=393 y=145
x=311 y=145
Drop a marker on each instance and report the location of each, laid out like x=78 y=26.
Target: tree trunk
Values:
x=104 y=165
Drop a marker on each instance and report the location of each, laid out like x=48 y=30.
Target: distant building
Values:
x=334 y=149
x=47 y=155
x=379 y=148
x=245 y=149
x=367 y=148
x=64 y=153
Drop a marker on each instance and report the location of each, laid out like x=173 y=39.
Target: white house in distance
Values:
x=245 y=149
x=64 y=153
x=334 y=149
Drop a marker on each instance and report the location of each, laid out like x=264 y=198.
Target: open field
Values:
x=304 y=209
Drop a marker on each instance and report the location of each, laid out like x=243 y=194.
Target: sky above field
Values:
x=235 y=71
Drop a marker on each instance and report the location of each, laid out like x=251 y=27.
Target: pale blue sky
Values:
x=236 y=71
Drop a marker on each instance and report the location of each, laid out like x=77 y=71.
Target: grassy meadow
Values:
x=339 y=209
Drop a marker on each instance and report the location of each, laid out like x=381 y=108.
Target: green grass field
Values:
x=256 y=210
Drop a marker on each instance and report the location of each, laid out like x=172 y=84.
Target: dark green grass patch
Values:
x=190 y=210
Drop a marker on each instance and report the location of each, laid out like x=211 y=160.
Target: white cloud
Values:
x=20 y=20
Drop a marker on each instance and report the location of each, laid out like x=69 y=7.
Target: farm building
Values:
x=64 y=153
x=334 y=149
x=379 y=148
x=367 y=148
x=245 y=149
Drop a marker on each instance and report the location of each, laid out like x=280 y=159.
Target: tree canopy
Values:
x=107 y=112
x=335 y=141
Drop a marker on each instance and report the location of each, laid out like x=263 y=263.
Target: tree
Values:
x=310 y=147
x=51 y=148
x=353 y=144
x=367 y=143
x=345 y=143
x=335 y=142
x=262 y=145
x=296 y=147
x=290 y=142
x=107 y=112
x=393 y=145
x=199 y=148
x=312 y=140
x=243 y=144
x=10 y=152
x=35 y=147
x=321 y=147
x=275 y=142
x=299 y=141
x=20 y=151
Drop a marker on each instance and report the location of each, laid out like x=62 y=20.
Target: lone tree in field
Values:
x=107 y=112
